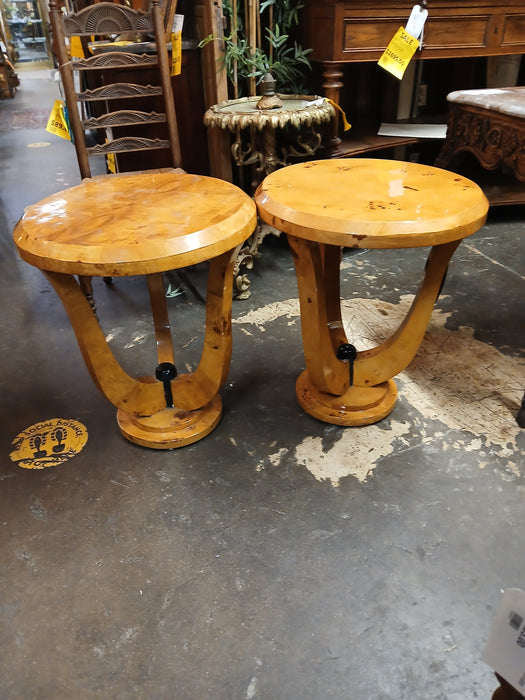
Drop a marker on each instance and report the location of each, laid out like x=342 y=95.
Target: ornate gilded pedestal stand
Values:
x=255 y=130
x=267 y=139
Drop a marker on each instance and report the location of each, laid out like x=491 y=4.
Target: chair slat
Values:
x=123 y=118
x=127 y=145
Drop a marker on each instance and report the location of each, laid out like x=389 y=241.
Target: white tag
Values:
x=178 y=21
x=416 y=21
x=505 y=650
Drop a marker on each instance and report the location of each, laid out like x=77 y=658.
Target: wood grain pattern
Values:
x=135 y=223
x=359 y=30
x=144 y=224
x=363 y=203
x=371 y=203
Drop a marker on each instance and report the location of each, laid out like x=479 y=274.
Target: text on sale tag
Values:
x=398 y=53
x=57 y=122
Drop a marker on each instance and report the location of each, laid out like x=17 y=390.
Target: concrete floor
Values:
x=279 y=558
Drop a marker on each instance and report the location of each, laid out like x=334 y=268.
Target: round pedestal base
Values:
x=171 y=427
x=357 y=406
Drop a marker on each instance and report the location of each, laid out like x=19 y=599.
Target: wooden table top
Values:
x=371 y=203
x=135 y=223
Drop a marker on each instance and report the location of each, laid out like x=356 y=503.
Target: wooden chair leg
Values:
x=86 y=285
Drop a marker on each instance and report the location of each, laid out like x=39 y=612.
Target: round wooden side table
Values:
x=145 y=224
x=325 y=205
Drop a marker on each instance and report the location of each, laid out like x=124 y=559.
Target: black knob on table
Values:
x=347 y=353
x=165 y=373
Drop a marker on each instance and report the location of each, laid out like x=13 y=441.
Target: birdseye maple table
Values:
x=364 y=203
x=146 y=224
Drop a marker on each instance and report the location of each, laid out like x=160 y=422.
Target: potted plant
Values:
x=259 y=39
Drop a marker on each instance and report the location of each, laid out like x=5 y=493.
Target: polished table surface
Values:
x=135 y=223
x=363 y=203
x=144 y=224
x=371 y=203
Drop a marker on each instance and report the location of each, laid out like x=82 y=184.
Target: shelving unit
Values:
x=8 y=78
x=361 y=142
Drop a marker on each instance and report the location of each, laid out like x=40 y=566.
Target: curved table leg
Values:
x=361 y=392
x=144 y=414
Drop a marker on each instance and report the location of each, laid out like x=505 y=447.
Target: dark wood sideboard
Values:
x=341 y=32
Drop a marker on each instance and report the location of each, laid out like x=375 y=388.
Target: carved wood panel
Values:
x=497 y=141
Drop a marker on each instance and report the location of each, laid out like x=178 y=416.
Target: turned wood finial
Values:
x=269 y=99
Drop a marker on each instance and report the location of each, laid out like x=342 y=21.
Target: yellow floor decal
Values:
x=49 y=443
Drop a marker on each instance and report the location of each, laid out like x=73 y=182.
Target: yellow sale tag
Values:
x=176 y=44
x=57 y=122
x=111 y=163
x=176 y=53
x=398 y=53
x=75 y=48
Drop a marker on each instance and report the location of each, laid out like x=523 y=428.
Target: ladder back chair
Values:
x=102 y=90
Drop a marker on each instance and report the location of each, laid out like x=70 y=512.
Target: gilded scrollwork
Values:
x=297 y=111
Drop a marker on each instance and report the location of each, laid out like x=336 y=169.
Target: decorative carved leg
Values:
x=144 y=414
x=247 y=253
x=323 y=389
x=269 y=159
x=332 y=86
